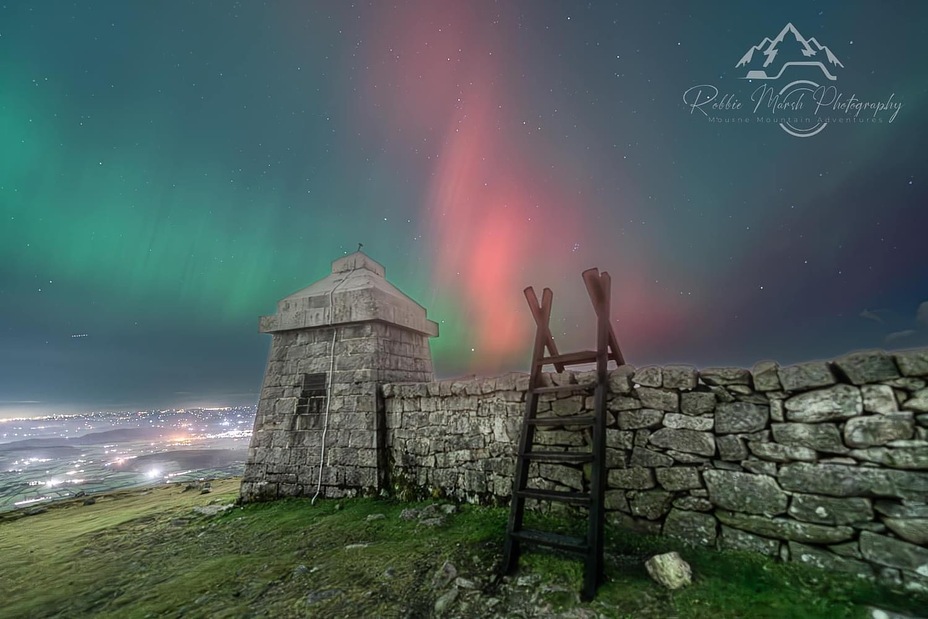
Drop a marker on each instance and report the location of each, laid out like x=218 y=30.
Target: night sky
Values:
x=169 y=170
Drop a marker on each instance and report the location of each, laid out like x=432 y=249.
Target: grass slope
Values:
x=148 y=554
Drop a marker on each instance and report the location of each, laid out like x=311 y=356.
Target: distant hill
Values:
x=119 y=435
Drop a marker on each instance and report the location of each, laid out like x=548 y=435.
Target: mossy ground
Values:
x=147 y=554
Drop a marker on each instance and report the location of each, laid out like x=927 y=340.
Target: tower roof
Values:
x=355 y=291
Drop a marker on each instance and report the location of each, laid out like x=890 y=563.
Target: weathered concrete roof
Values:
x=356 y=291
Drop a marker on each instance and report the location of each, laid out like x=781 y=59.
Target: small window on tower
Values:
x=311 y=405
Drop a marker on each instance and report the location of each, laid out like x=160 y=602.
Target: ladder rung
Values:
x=571 y=358
x=574 y=498
x=558 y=388
x=564 y=421
x=555 y=540
x=559 y=456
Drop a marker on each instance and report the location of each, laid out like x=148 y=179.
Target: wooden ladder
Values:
x=598 y=287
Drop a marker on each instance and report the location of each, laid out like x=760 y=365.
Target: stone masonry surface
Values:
x=822 y=463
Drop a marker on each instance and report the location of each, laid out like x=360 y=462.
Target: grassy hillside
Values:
x=148 y=553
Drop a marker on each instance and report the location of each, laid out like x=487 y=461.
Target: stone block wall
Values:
x=823 y=463
x=286 y=448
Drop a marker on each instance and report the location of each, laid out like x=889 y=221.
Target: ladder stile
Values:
x=591 y=546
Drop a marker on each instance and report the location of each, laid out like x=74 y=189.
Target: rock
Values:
x=688 y=422
x=678 y=478
x=842 y=480
x=830 y=404
x=361 y=546
x=649 y=376
x=679 y=377
x=892 y=552
x=913 y=530
x=693 y=504
x=803 y=376
x=448 y=508
x=689 y=441
x=825 y=560
x=437 y=521
x=634 y=478
x=720 y=377
x=735 y=539
x=765 y=376
x=918 y=402
x=894 y=509
x=445 y=574
x=829 y=510
x=731 y=448
x=641 y=418
x=409 y=514
x=879 y=399
x=90 y=501
x=444 y=602
x=635 y=525
x=874 y=430
x=740 y=417
x=847 y=549
x=867 y=366
x=692 y=527
x=785 y=529
x=915 y=458
x=615 y=500
x=464 y=583
x=650 y=459
x=685 y=458
x=760 y=467
x=623 y=403
x=913 y=362
x=34 y=511
x=669 y=570
x=659 y=399
x=650 y=504
x=820 y=437
x=300 y=570
x=697 y=403
x=206 y=490
x=373 y=517
x=744 y=492
x=781 y=453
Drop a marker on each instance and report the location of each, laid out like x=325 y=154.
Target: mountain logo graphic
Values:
x=770 y=58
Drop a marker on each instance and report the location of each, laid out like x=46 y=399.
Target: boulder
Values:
x=879 y=399
x=830 y=510
x=660 y=399
x=829 y=404
x=649 y=376
x=806 y=376
x=736 y=539
x=825 y=560
x=679 y=377
x=843 y=480
x=745 y=492
x=918 y=402
x=913 y=530
x=785 y=529
x=693 y=527
x=641 y=418
x=892 y=552
x=765 y=376
x=725 y=376
x=781 y=453
x=913 y=362
x=669 y=570
x=734 y=417
x=678 y=478
x=688 y=441
x=697 y=403
x=867 y=366
x=875 y=430
x=818 y=436
x=678 y=421
x=650 y=504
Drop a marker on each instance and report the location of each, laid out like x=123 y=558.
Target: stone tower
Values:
x=320 y=421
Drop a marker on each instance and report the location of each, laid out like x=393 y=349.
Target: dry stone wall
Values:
x=822 y=463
